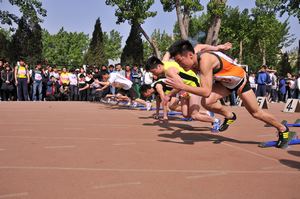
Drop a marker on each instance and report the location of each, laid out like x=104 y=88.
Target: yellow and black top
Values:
x=167 y=89
x=189 y=77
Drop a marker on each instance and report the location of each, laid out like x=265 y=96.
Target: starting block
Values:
x=296 y=124
x=172 y=113
x=186 y=119
x=152 y=109
x=273 y=143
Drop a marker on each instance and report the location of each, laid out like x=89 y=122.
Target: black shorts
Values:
x=129 y=93
x=245 y=89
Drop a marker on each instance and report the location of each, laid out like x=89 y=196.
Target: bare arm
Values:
x=206 y=78
x=206 y=47
x=166 y=57
x=159 y=89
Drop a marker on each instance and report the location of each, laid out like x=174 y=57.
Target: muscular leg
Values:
x=185 y=107
x=174 y=105
x=212 y=104
x=194 y=108
x=252 y=107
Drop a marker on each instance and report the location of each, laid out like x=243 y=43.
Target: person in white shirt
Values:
x=125 y=91
x=298 y=85
x=73 y=85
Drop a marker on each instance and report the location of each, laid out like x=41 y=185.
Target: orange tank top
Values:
x=229 y=74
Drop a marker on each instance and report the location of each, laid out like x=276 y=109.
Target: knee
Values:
x=257 y=114
x=194 y=116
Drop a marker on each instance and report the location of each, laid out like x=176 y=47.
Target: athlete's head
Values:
x=155 y=66
x=183 y=53
x=146 y=90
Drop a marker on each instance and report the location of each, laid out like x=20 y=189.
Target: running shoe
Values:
x=148 y=106
x=284 y=138
x=216 y=126
x=224 y=126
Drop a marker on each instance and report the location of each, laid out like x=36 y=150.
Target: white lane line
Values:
x=265 y=135
x=116 y=185
x=79 y=138
x=206 y=175
x=245 y=150
x=14 y=130
x=73 y=128
x=13 y=195
x=2 y=149
x=121 y=144
x=273 y=167
x=150 y=170
x=59 y=147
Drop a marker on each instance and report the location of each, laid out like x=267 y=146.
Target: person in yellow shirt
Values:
x=22 y=80
x=64 y=77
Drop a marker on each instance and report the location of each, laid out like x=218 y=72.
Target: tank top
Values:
x=22 y=72
x=189 y=77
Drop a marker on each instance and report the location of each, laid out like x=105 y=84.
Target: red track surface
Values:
x=84 y=150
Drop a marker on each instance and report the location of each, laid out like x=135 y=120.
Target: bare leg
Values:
x=194 y=108
x=212 y=104
x=252 y=107
x=185 y=107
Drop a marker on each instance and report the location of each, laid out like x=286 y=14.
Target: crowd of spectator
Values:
x=48 y=83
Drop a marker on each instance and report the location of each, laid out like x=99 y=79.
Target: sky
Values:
x=80 y=16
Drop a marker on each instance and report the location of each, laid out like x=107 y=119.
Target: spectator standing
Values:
x=7 y=87
x=298 y=86
x=64 y=77
x=128 y=72
x=83 y=87
x=262 y=79
x=119 y=70
x=111 y=69
x=252 y=82
x=73 y=85
x=282 y=90
x=37 y=79
x=22 y=80
x=274 y=86
x=136 y=79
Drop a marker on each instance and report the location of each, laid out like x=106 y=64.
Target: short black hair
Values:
x=144 y=88
x=180 y=47
x=152 y=63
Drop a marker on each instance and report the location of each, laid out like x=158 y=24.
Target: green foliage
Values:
x=163 y=40
x=27 y=43
x=30 y=9
x=112 y=45
x=197 y=28
x=133 y=50
x=186 y=5
x=284 y=66
x=291 y=7
x=64 y=48
x=95 y=54
x=134 y=11
x=5 y=40
x=216 y=7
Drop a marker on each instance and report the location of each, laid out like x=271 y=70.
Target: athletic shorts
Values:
x=131 y=93
x=246 y=86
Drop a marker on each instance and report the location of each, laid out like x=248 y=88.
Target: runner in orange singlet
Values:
x=228 y=76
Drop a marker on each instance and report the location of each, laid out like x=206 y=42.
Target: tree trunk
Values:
x=183 y=31
x=213 y=31
x=298 y=62
x=241 y=52
x=151 y=42
x=264 y=54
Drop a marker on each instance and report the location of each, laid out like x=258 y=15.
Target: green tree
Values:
x=20 y=41
x=184 y=11
x=64 y=48
x=112 y=45
x=291 y=7
x=5 y=40
x=215 y=9
x=284 y=65
x=31 y=10
x=197 y=28
x=95 y=54
x=135 y=12
x=35 y=48
x=133 y=50
x=163 y=41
